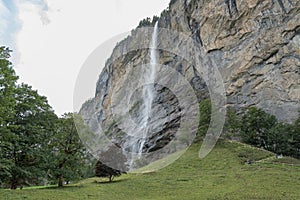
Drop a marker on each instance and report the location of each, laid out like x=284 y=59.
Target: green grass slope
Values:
x=223 y=174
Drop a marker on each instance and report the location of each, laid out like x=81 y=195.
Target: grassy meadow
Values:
x=223 y=174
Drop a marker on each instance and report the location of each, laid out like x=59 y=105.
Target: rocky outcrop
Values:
x=255 y=44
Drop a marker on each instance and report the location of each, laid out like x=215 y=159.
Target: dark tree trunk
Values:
x=60 y=178
x=13 y=185
x=60 y=181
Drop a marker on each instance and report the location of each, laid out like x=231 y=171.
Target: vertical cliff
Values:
x=255 y=44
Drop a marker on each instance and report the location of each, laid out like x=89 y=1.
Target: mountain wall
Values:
x=255 y=44
x=257 y=49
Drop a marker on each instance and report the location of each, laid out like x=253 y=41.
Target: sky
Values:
x=51 y=39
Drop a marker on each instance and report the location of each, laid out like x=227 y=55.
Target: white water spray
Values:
x=142 y=130
x=148 y=90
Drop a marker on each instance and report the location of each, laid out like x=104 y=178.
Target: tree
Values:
x=33 y=141
x=205 y=116
x=261 y=129
x=7 y=103
x=294 y=140
x=255 y=125
x=101 y=170
x=112 y=157
x=171 y=3
x=232 y=124
x=145 y=22
x=8 y=80
x=277 y=138
x=24 y=122
x=154 y=20
x=27 y=135
x=68 y=152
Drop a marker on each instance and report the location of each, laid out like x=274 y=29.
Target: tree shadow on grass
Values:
x=61 y=188
x=107 y=182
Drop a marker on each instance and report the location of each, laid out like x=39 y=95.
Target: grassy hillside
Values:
x=223 y=174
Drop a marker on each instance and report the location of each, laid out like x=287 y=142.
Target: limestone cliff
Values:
x=257 y=49
x=254 y=43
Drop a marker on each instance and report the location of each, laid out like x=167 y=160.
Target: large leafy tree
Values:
x=7 y=103
x=68 y=153
x=255 y=125
x=26 y=122
x=8 y=80
x=29 y=130
x=34 y=143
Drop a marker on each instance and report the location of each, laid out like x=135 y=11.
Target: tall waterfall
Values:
x=148 y=90
x=143 y=129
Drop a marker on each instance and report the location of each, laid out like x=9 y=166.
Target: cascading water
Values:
x=148 y=91
x=142 y=130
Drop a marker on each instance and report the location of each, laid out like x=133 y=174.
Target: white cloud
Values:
x=42 y=9
x=51 y=56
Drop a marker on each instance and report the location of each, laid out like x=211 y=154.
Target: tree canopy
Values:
x=112 y=162
x=35 y=145
x=68 y=152
x=263 y=130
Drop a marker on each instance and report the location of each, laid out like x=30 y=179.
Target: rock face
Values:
x=257 y=49
x=255 y=44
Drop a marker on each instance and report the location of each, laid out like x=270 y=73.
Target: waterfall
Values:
x=148 y=91
x=143 y=129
